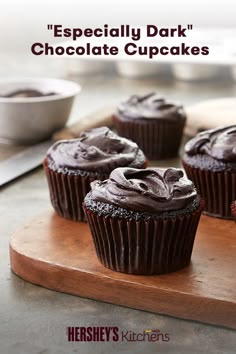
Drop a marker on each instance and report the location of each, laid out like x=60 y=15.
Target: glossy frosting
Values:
x=150 y=190
x=97 y=149
x=150 y=106
x=219 y=143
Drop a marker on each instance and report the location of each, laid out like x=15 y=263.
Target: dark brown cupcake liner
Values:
x=217 y=188
x=67 y=193
x=144 y=247
x=158 y=139
x=233 y=209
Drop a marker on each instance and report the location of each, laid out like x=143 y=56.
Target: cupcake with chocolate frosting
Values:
x=71 y=165
x=143 y=221
x=154 y=123
x=210 y=162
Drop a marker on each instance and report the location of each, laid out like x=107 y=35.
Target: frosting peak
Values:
x=97 y=149
x=150 y=106
x=218 y=143
x=147 y=190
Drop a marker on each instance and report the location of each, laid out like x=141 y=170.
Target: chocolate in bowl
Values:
x=27 y=93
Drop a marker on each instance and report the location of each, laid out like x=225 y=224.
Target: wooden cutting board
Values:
x=59 y=254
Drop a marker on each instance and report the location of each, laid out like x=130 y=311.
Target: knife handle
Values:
x=96 y=119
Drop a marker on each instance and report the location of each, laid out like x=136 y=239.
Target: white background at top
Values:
x=23 y=21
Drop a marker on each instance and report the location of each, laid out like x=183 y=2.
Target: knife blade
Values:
x=23 y=162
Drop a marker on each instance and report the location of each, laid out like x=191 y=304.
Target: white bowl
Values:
x=194 y=72
x=27 y=120
x=137 y=69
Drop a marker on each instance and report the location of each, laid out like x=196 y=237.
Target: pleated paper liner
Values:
x=217 y=188
x=67 y=193
x=144 y=247
x=158 y=139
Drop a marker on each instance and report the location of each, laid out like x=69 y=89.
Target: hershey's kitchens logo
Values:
x=114 y=334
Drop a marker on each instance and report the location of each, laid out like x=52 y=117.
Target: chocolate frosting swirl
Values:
x=150 y=106
x=150 y=190
x=219 y=143
x=97 y=149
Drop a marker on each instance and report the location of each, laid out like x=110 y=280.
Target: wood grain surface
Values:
x=59 y=254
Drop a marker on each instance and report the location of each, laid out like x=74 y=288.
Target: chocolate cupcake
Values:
x=210 y=162
x=143 y=221
x=155 y=124
x=71 y=165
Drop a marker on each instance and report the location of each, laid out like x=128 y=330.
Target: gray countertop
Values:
x=34 y=319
